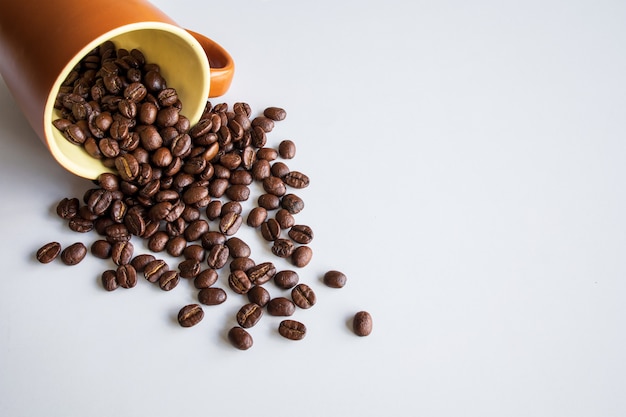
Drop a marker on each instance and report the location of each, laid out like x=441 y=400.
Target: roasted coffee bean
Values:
x=214 y=209
x=212 y=238
x=281 y=306
x=122 y=252
x=362 y=323
x=303 y=296
x=274 y=185
x=101 y=249
x=285 y=219
x=231 y=207
x=241 y=177
x=67 y=208
x=269 y=201
x=158 y=241
x=275 y=113
x=258 y=295
x=167 y=97
x=212 y=296
x=190 y=214
x=189 y=268
x=335 y=279
x=196 y=252
x=283 y=248
x=261 y=273
x=279 y=169
x=238 y=248
x=109 y=280
x=205 y=279
x=264 y=123
x=292 y=203
x=117 y=211
x=239 y=282
x=296 y=179
x=258 y=137
x=154 y=269
x=190 y=315
x=195 y=195
x=176 y=245
x=147 y=113
x=249 y=315
x=218 y=187
x=139 y=262
x=268 y=154
x=256 y=217
x=168 y=280
x=238 y=192
x=176 y=227
x=301 y=234
x=261 y=169
x=243 y=263
x=286 y=279
x=48 y=252
x=126 y=276
x=74 y=134
x=240 y=338
x=196 y=229
x=135 y=223
x=230 y=160
x=86 y=213
x=117 y=232
x=270 y=230
x=242 y=108
x=72 y=254
x=230 y=223
x=217 y=256
x=301 y=256
x=292 y=329
x=100 y=225
x=135 y=92
x=80 y=225
x=287 y=149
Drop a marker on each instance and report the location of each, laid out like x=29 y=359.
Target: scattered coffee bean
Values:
x=281 y=306
x=258 y=295
x=362 y=323
x=109 y=280
x=275 y=113
x=335 y=279
x=212 y=296
x=48 y=252
x=249 y=315
x=126 y=276
x=205 y=279
x=301 y=234
x=139 y=262
x=67 y=208
x=168 y=280
x=287 y=149
x=240 y=338
x=292 y=329
x=154 y=269
x=190 y=315
x=303 y=296
x=71 y=255
x=286 y=279
x=301 y=256
x=239 y=282
x=122 y=252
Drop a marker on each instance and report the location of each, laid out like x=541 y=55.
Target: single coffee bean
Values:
x=217 y=256
x=109 y=280
x=154 y=269
x=292 y=329
x=240 y=338
x=190 y=315
x=139 y=262
x=239 y=282
x=230 y=223
x=286 y=279
x=196 y=252
x=126 y=276
x=135 y=222
x=303 y=296
x=210 y=239
x=279 y=169
x=270 y=230
x=292 y=203
x=269 y=201
x=249 y=315
x=256 y=217
x=287 y=149
x=241 y=177
x=176 y=245
x=196 y=229
x=275 y=113
x=285 y=219
x=274 y=185
x=168 y=280
x=238 y=192
x=362 y=323
x=261 y=273
x=101 y=249
x=117 y=232
x=261 y=169
x=301 y=234
x=238 y=248
x=335 y=279
x=283 y=248
x=268 y=154
x=189 y=268
x=80 y=225
x=281 y=306
x=301 y=256
x=122 y=252
x=67 y=208
x=264 y=123
x=117 y=210
x=48 y=252
x=259 y=295
x=158 y=241
x=296 y=179
x=211 y=296
x=73 y=254
x=176 y=228
x=205 y=279
x=231 y=207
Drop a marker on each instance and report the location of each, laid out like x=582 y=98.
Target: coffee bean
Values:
x=256 y=217
x=116 y=233
x=238 y=248
x=264 y=123
x=362 y=323
x=301 y=256
x=101 y=249
x=279 y=169
x=154 y=269
x=238 y=192
x=48 y=252
x=196 y=229
x=261 y=169
x=168 y=280
x=274 y=185
x=239 y=282
x=287 y=149
x=210 y=239
x=285 y=219
x=292 y=203
x=126 y=276
x=67 y=208
x=281 y=306
x=190 y=315
x=275 y=113
x=240 y=338
x=230 y=223
x=158 y=241
x=189 y=268
x=249 y=315
x=212 y=296
x=296 y=179
x=303 y=296
x=231 y=207
x=122 y=252
x=139 y=262
x=205 y=278
x=196 y=252
x=176 y=245
x=217 y=256
x=286 y=279
x=301 y=234
x=270 y=230
x=80 y=225
x=109 y=280
x=335 y=279
x=71 y=255
x=269 y=201
x=135 y=223
x=258 y=295
x=292 y=329
x=283 y=248
x=261 y=273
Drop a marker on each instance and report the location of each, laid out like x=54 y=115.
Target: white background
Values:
x=467 y=167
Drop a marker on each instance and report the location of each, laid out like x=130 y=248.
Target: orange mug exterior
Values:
x=41 y=41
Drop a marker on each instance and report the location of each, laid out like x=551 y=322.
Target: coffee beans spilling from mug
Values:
x=181 y=187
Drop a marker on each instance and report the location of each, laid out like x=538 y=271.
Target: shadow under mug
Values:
x=41 y=42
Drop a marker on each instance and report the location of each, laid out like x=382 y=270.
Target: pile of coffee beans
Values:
x=181 y=188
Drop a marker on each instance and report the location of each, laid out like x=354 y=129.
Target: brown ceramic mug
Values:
x=40 y=43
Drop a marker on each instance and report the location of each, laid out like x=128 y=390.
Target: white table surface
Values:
x=467 y=174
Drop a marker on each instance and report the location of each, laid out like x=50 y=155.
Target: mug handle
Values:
x=221 y=64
